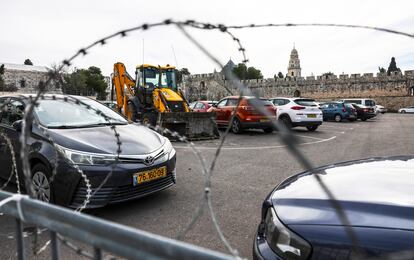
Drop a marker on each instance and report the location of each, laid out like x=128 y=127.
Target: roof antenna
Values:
x=175 y=58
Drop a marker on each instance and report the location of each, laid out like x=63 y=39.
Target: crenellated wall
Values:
x=213 y=86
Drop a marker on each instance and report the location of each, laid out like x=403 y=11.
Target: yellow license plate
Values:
x=150 y=175
x=264 y=120
x=311 y=116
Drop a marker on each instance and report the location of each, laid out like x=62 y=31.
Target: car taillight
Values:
x=247 y=108
x=297 y=108
x=344 y=109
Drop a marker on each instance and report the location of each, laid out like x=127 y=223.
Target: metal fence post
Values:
x=54 y=245
x=19 y=239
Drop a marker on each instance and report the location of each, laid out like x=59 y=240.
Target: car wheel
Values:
x=364 y=119
x=312 y=128
x=286 y=121
x=43 y=189
x=268 y=130
x=403 y=112
x=236 y=126
x=338 y=118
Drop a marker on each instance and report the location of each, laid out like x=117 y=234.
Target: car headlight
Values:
x=168 y=148
x=284 y=242
x=78 y=157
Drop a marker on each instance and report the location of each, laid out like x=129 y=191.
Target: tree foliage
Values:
x=392 y=67
x=242 y=72
x=280 y=75
x=85 y=83
x=28 y=62
x=180 y=73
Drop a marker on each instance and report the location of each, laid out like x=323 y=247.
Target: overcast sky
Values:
x=49 y=31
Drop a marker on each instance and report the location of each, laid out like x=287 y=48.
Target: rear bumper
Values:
x=257 y=125
x=306 y=123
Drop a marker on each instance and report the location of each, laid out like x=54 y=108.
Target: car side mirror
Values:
x=17 y=125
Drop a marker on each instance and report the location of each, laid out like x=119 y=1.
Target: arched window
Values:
x=296 y=93
x=411 y=91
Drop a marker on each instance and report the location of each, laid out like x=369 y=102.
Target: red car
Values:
x=246 y=115
x=202 y=106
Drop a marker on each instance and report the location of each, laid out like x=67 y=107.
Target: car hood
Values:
x=373 y=193
x=134 y=139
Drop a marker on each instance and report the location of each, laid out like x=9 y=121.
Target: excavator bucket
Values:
x=192 y=125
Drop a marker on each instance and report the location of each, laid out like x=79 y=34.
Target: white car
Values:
x=406 y=110
x=381 y=109
x=295 y=112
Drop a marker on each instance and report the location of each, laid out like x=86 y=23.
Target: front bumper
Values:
x=256 y=125
x=118 y=188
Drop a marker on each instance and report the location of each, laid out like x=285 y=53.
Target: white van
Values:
x=361 y=101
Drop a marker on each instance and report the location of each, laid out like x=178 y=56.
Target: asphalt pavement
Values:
x=249 y=167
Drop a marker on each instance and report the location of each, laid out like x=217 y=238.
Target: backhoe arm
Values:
x=124 y=86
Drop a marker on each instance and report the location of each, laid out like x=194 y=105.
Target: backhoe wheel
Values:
x=236 y=126
x=149 y=119
x=132 y=112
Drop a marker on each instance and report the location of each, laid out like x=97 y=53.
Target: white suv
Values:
x=295 y=112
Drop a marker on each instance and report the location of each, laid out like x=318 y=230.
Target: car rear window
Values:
x=357 y=101
x=306 y=102
x=369 y=103
x=349 y=105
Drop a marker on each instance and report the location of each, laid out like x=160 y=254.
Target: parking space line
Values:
x=336 y=132
x=254 y=147
x=310 y=137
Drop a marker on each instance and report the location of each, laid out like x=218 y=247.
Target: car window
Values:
x=231 y=102
x=357 y=101
x=192 y=105
x=306 y=102
x=199 y=105
x=12 y=112
x=279 y=102
x=222 y=103
x=370 y=103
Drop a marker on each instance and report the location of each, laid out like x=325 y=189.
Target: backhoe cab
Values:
x=154 y=98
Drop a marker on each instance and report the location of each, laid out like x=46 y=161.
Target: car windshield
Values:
x=61 y=114
x=306 y=102
x=168 y=79
x=369 y=103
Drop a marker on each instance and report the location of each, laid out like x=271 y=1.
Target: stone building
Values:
x=393 y=91
x=294 y=69
x=24 y=78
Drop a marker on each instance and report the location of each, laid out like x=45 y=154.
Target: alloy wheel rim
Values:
x=235 y=126
x=338 y=118
x=41 y=186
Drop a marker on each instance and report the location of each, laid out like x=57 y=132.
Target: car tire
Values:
x=286 y=121
x=268 y=130
x=312 y=128
x=364 y=119
x=403 y=112
x=236 y=126
x=43 y=188
x=338 y=118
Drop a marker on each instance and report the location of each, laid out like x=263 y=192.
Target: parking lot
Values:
x=250 y=165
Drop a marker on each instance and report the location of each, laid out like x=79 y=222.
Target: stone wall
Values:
x=391 y=91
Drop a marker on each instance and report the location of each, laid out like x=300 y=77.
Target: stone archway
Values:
x=296 y=93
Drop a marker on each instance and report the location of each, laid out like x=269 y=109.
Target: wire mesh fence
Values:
x=92 y=190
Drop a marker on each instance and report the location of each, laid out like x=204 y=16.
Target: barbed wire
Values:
x=286 y=136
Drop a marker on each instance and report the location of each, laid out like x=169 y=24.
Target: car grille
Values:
x=108 y=195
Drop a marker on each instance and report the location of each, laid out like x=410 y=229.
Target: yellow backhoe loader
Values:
x=153 y=98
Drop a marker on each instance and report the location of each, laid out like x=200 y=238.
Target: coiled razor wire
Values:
x=288 y=138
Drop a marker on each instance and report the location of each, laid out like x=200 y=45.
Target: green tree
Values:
x=392 y=67
x=180 y=73
x=280 y=75
x=242 y=72
x=85 y=83
x=1 y=76
x=28 y=62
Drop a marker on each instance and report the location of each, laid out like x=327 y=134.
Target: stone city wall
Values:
x=380 y=87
